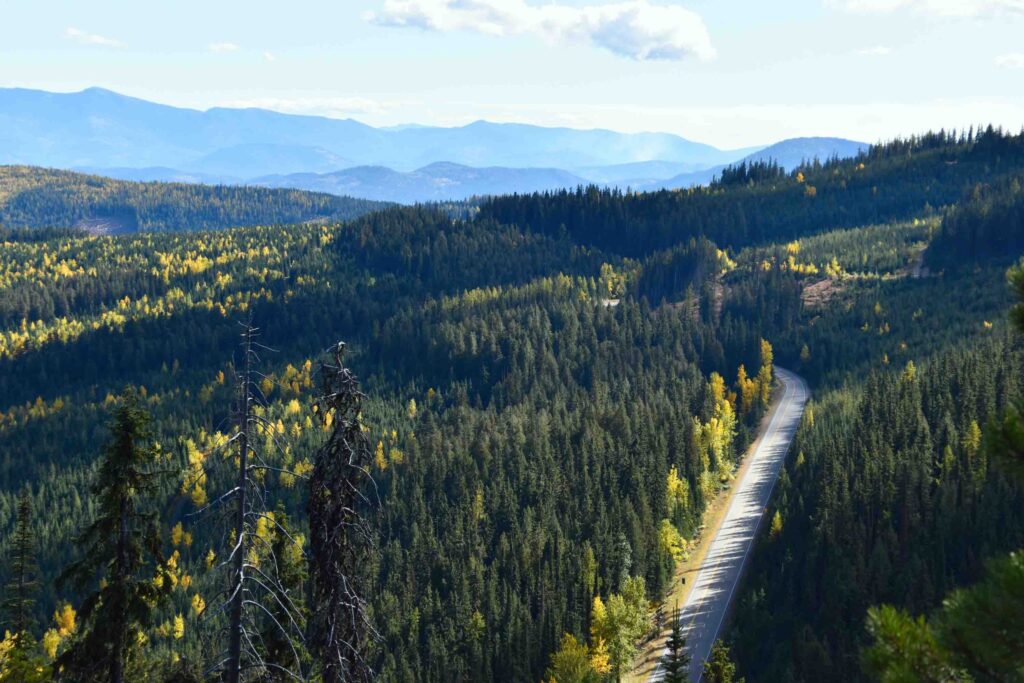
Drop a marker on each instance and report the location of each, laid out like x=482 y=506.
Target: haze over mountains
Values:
x=103 y=132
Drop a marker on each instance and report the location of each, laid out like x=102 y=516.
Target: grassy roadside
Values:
x=650 y=652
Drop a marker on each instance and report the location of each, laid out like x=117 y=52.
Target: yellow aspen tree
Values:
x=765 y=375
x=600 y=661
x=748 y=390
x=776 y=527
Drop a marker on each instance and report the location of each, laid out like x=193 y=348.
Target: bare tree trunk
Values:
x=234 y=663
x=340 y=539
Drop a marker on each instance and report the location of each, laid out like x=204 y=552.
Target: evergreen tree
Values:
x=676 y=662
x=720 y=668
x=122 y=548
x=19 y=601
x=1005 y=439
x=21 y=661
x=979 y=631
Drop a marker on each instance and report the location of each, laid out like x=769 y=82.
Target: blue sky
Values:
x=728 y=72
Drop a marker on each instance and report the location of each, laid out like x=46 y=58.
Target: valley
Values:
x=526 y=441
x=512 y=341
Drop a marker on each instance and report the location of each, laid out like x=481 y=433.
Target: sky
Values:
x=730 y=73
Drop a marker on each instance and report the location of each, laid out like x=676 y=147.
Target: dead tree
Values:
x=252 y=565
x=236 y=598
x=340 y=536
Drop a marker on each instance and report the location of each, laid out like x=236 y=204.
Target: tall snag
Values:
x=236 y=598
x=340 y=538
x=265 y=617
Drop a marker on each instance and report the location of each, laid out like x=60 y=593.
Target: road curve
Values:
x=712 y=594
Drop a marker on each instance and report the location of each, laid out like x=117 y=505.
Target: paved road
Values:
x=709 y=601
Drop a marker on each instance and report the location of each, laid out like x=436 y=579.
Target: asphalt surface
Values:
x=708 y=603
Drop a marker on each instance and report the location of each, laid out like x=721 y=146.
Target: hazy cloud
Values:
x=876 y=51
x=86 y=38
x=222 y=47
x=269 y=56
x=941 y=8
x=1013 y=60
x=636 y=28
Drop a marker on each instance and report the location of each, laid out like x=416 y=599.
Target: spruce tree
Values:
x=676 y=661
x=978 y=630
x=720 y=668
x=121 y=548
x=19 y=592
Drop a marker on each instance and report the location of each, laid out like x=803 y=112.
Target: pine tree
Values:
x=720 y=668
x=978 y=630
x=19 y=602
x=676 y=661
x=122 y=546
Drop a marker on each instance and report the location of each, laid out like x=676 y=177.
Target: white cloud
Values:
x=222 y=47
x=941 y=8
x=634 y=28
x=269 y=56
x=1013 y=60
x=86 y=38
x=876 y=51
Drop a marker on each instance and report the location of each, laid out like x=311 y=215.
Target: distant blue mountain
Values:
x=794 y=151
x=639 y=172
x=437 y=182
x=103 y=132
x=788 y=153
x=446 y=181
x=97 y=129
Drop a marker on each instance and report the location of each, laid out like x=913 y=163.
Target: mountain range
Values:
x=106 y=133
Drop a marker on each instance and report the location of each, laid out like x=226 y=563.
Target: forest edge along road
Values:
x=708 y=603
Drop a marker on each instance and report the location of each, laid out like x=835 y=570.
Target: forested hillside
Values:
x=493 y=366
x=549 y=393
x=890 y=498
x=987 y=223
x=890 y=494
x=35 y=197
x=898 y=180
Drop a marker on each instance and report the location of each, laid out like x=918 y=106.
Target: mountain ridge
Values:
x=439 y=181
x=104 y=132
x=101 y=128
